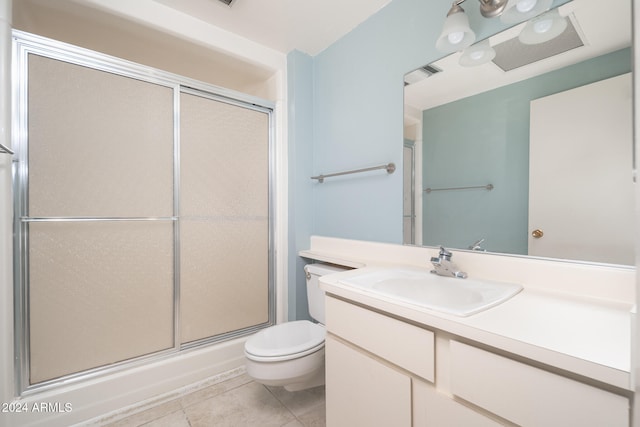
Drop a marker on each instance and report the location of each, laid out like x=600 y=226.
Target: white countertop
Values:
x=586 y=336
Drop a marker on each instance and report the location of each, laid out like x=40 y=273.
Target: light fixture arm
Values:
x=488 y=8
x=491 y=8
x=455 y=7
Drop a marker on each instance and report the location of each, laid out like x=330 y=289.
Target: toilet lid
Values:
x=286 y=339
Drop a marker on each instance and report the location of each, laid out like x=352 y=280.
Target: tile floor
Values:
x=235 y=402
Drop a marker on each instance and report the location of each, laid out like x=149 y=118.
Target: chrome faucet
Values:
x=443 y=266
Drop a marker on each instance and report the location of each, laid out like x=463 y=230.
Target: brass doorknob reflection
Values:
x=537 y=233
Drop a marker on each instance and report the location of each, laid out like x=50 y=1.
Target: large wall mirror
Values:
x=528 y=152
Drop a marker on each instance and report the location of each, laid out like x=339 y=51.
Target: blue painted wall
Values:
x=462 y=148
x=356 y=112
x=358 y=115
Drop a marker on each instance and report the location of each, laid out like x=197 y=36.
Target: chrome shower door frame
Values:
x=25 y=44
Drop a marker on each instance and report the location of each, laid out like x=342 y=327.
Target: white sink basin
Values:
x=460 y=297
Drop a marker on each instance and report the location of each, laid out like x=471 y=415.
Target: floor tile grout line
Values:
x=139 y=414
x=285 y=406
x=297 y=418
x=186 y=416
x=183 y=406
x=163 y=416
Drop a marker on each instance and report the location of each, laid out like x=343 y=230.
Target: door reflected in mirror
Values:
x=538 y=138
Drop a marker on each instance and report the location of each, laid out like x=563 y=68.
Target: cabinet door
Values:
x=434 y=409
x=362 y=391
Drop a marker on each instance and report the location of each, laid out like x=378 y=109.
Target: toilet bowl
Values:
x=291 y=354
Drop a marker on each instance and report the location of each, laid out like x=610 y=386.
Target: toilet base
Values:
x=294 y=375
x=314 y=380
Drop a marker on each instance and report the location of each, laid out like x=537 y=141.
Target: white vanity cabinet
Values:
x=370 y=361
x=530 y=396
x=433 y=408
x=407 y=346
x=362 y=391
x=382 y=370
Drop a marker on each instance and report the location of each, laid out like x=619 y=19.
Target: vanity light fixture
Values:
x=478 y=54
x=521 y=10
x=456 y=33
x=543 y=28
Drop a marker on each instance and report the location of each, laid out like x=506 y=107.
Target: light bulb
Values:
x=455 y=37
x=525 y=6
x=542 y=26
x=476 y=55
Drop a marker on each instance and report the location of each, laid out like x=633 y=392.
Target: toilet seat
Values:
x=285 y=341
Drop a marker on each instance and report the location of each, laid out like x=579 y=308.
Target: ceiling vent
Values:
x=420 y=74
x=227 y=2
x=513 y=54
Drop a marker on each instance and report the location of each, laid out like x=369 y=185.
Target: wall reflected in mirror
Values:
x=529 y=153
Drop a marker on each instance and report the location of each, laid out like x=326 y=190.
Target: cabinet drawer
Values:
x=530 y=396
x=408 y=346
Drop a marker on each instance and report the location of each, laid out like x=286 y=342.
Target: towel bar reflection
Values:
x=391 y=167
x=487 y=187
x=5 y=150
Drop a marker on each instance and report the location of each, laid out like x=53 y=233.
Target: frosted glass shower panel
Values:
x=224 y=228
x=224 y=271
x=100 y=144
x=224 y=153
x=100 y=293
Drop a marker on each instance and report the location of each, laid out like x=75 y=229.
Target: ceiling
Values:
x=309 y=26
x=284 y=25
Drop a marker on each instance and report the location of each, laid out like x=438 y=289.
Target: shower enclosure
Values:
x=143 y=213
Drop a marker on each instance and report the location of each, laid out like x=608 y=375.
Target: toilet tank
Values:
x=315 y=295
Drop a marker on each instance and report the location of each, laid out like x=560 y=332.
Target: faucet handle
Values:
x=444 y=253
x=443 y=265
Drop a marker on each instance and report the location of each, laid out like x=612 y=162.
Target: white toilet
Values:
x=292 y=354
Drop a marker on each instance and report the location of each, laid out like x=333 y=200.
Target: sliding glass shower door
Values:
x=224 y=216
x=97 y=218
x=143 y=221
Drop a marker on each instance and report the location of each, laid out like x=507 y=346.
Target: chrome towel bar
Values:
x=391 y=167
x=487 y=187
x=5 y=150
